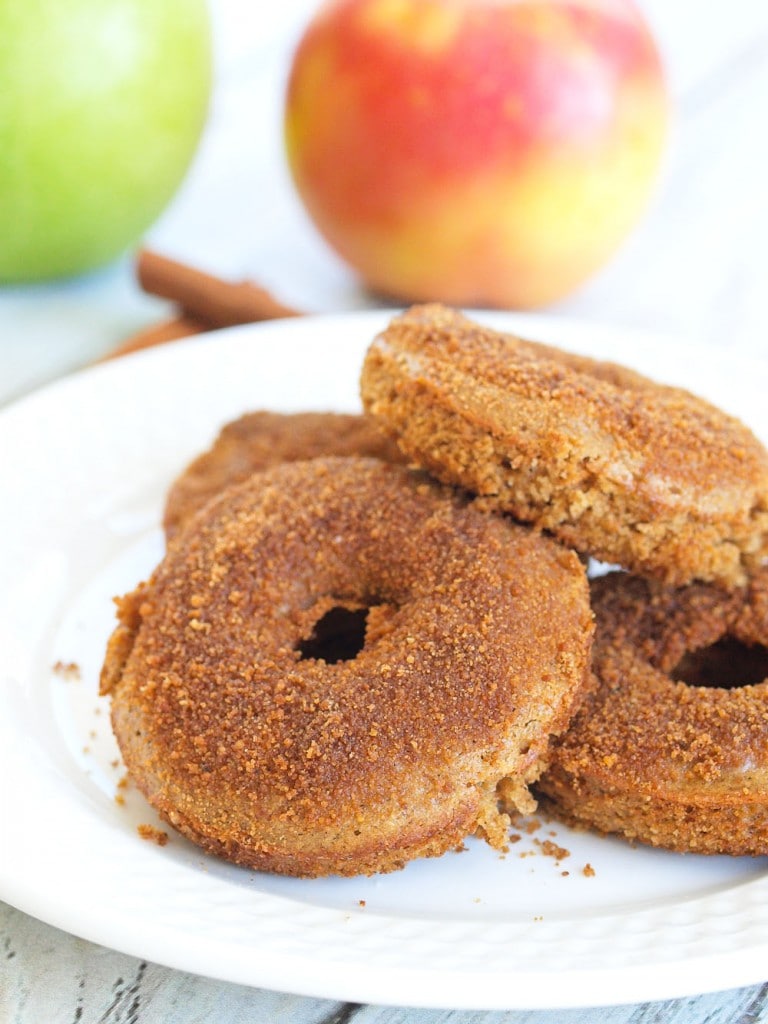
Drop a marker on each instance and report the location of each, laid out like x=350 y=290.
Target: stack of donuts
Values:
x=373 y=636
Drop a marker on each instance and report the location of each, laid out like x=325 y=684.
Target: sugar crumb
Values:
x=550 y=849
x=156 y=835
x=69 y=670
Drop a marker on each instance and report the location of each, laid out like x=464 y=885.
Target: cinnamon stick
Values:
x=206 y=298
x=168 y=330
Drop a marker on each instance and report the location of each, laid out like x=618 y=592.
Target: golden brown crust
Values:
x=622 y=468
x=477 y=644
x=263 y=438
x=654 y=757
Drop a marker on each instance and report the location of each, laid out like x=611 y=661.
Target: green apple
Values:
x=102 y=104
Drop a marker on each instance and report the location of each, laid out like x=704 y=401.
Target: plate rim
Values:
x=597 y=988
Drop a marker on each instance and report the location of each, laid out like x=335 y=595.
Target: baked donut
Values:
x=338 y=662
x=621 y=468
x=261 y=439
x=671 y=748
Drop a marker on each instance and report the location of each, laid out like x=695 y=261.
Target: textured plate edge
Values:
x=368 y=319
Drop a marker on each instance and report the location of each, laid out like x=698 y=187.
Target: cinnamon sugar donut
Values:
x=671 y=748
x=621 y=468
x=258 y=725
x=261 y=439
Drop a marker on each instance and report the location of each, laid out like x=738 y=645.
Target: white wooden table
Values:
x=696 y=268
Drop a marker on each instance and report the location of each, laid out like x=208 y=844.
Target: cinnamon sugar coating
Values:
x=621 y=468
x=476 y=646
x=655 y=754
x=263 y=438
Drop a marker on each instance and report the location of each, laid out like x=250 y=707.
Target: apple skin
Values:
x=102 y=105
x=476 y=152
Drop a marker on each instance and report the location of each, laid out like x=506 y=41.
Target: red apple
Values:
x=478 y=152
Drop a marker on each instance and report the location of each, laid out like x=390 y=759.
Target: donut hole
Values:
x=726 y=664
x=338 y=635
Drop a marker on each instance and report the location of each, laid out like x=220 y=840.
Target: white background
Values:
x=696 y=265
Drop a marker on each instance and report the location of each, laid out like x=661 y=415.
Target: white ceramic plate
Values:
x=84 y=466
